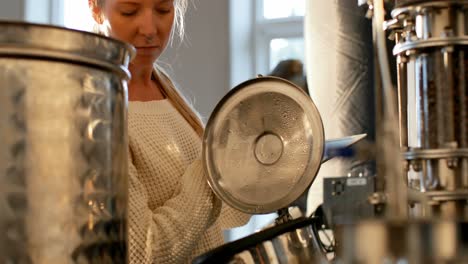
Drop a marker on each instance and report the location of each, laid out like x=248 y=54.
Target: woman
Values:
x=173 y=214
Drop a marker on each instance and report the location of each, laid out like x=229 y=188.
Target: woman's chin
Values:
x=144 y=60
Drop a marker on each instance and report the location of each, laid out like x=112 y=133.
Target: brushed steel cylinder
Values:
x=63 y=151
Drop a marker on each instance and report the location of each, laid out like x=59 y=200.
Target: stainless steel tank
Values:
x=63 y=151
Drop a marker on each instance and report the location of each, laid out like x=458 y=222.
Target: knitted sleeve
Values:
x=230 y=217
x=169 y=233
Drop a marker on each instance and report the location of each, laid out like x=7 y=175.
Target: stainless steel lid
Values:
x=263 y=145
x=51 y=42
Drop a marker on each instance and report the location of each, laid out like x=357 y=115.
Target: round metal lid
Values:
x=263 y=145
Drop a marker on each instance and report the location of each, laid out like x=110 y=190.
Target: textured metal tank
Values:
x=63 y=151
x=339 y=63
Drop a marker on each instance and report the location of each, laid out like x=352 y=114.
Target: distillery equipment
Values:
x=402 y=196
x=63 y=150
x=421 y=185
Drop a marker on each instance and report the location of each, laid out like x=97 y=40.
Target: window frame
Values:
x=266 y=30
x=44 y=11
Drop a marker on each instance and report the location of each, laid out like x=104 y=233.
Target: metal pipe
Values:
x=402 y=100
x=395 y=187
x=462 y=94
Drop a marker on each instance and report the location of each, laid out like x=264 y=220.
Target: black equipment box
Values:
x=346 y=199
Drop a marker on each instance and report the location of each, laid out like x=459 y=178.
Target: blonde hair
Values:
x=179 y=102
x=171 y=92
x=180 y=7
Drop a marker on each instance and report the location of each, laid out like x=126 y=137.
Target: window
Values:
x=285 y=48
x=278 y=33
x=76 y=15
x=273 y=9
x=262 y=33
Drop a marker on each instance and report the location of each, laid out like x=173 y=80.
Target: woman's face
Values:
x=146 y=24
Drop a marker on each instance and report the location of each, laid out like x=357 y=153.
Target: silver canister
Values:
x=63 y=149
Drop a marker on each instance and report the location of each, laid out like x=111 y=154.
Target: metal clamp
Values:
x=429 y=43
x=441 y=153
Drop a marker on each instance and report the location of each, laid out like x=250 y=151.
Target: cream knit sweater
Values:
x=173 y=214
